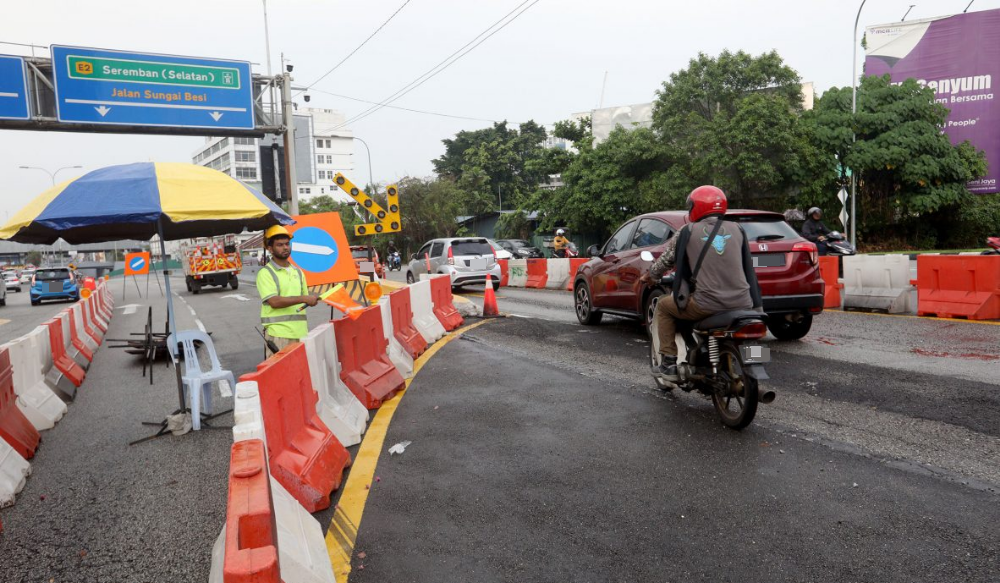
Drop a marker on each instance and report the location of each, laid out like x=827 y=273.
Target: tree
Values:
x=732 y=121
x=33 y=257
x=323 y=203
x=909 y=173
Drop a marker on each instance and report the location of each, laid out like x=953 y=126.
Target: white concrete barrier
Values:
x=517 y=273
x=558 y=273
x=422 y=306
x=76 y=312
x=14 y=472
x=877 y=282
x=302 y=554
x=36 y=400
x=397 y=354
x=248 y=421
x=338 y=408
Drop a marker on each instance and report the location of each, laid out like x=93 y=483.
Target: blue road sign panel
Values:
x=13 y=88
x=119 y=88
x=314 y=250
x=137 y=263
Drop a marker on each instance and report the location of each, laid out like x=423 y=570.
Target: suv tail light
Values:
x=810 y=248
x=451 y=256
x=752 y=330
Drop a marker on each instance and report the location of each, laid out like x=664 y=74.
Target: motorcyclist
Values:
x=390 y=251
x=814 y=230
x=560 y=242
x=726 y=280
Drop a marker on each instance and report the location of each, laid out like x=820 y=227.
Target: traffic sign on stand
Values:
x=119 y=88
x=137 y=263
x=320 y=249
x=13 y=88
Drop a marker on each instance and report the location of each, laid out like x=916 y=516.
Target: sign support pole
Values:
x=287 y=111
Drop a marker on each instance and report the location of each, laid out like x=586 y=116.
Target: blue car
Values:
x=54 y=283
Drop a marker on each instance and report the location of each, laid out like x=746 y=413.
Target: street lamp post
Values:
x=854 y=137
x=371 y=177
x=52 y=175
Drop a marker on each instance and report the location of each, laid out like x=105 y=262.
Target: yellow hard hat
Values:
x=275 y=231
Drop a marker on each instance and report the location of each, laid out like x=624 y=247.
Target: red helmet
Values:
x=704 y=201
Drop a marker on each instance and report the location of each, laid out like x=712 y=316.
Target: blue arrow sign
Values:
x=137 y=263
x=120 y=88
x=13 y=88
x=314 y=250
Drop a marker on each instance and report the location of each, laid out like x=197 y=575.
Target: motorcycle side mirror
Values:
x=593 y=251
x=646 y=256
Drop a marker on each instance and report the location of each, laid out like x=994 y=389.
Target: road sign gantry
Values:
x=13 y=88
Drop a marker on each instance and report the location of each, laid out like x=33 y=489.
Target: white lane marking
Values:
x=129 y=309
x=239 y=297
x=197 y=321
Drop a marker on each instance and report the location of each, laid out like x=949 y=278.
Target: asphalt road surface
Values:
x=541 y=451
x=19 y=317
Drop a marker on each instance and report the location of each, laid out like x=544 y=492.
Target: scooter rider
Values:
x=724 y=281
x=560 y=242
x=814 y=230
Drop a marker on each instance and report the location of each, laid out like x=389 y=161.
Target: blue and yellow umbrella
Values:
x=138 y=201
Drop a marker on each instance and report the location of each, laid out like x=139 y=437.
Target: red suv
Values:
x=787 y=268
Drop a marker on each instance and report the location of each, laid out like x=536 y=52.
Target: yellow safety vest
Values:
x=282 y=322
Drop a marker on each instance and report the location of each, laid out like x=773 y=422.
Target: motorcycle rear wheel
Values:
x=736 y=406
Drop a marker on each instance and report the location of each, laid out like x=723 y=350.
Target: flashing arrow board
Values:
x=119 y=88
x=388 y=221
x=13 y=88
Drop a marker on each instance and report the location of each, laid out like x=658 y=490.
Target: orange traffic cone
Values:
x=490 y=308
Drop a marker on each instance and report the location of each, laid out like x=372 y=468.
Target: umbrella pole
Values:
x=171 y=320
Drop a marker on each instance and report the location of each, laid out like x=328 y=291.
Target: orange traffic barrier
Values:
x=304 y=455
x=364 y=364
x=537 y=273
x=504 y=274
x=251 y=529
x=829 y=269
x=60 y=359
x=490 y=308
x=444 y=306
x=574 y=266
x=15 y=428
x=91 y=307
x=958 y=286
x=90 y=324
x=402 y=323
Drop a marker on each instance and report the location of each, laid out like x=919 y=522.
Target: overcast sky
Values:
x=548 y=63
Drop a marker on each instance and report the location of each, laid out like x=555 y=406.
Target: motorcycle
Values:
x=994 y=244
x=569 y=252
x=395 y=261
x=837 y=244
x=715 y=359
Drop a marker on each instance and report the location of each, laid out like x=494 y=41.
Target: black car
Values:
x=521 y=249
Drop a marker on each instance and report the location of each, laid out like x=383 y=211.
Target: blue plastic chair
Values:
x=195 y=378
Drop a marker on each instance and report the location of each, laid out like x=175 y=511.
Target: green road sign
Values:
x=101 y=69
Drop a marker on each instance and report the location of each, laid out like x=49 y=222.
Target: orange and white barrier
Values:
x=36 y=400
x=14 y=472
x=424 y=319
x=555 y=273
x=340 y=411
x=517 y=271
x=397 y=354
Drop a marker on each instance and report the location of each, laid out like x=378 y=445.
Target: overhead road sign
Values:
x=96 y=86
x=13 y=88
x=320 y=249
x=388 y=220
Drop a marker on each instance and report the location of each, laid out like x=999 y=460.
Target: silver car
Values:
x=467 y=260
x=12 y=281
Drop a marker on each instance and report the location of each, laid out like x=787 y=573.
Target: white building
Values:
x=321 y=150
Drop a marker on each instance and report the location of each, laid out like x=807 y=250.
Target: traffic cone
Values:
x=490 y=309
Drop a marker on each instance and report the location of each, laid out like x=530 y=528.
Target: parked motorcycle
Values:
x=837 y=244
x=994 y=244
x=395 y=261
x=716 y=359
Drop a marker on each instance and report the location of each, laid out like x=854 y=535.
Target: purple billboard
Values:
x=958 y=57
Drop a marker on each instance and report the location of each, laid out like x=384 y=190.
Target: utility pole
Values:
x=289 y=121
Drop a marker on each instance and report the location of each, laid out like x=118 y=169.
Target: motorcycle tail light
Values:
x=750 y=331
x=810 y=248
x=451 y=256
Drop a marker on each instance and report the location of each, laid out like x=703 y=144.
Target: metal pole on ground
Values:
x=289 y=122
x=854 y=110
x=171 y=320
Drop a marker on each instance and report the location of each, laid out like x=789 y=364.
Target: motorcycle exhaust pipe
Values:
x=767 y=397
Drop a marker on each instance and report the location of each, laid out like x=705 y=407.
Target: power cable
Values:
x=358 y=48
x=448 y=61
x=405 y=108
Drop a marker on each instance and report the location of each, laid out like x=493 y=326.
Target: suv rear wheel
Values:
x=584 y=307
x=784 y=329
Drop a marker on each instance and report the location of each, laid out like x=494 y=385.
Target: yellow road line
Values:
x=961 y=320
x=347 y=515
